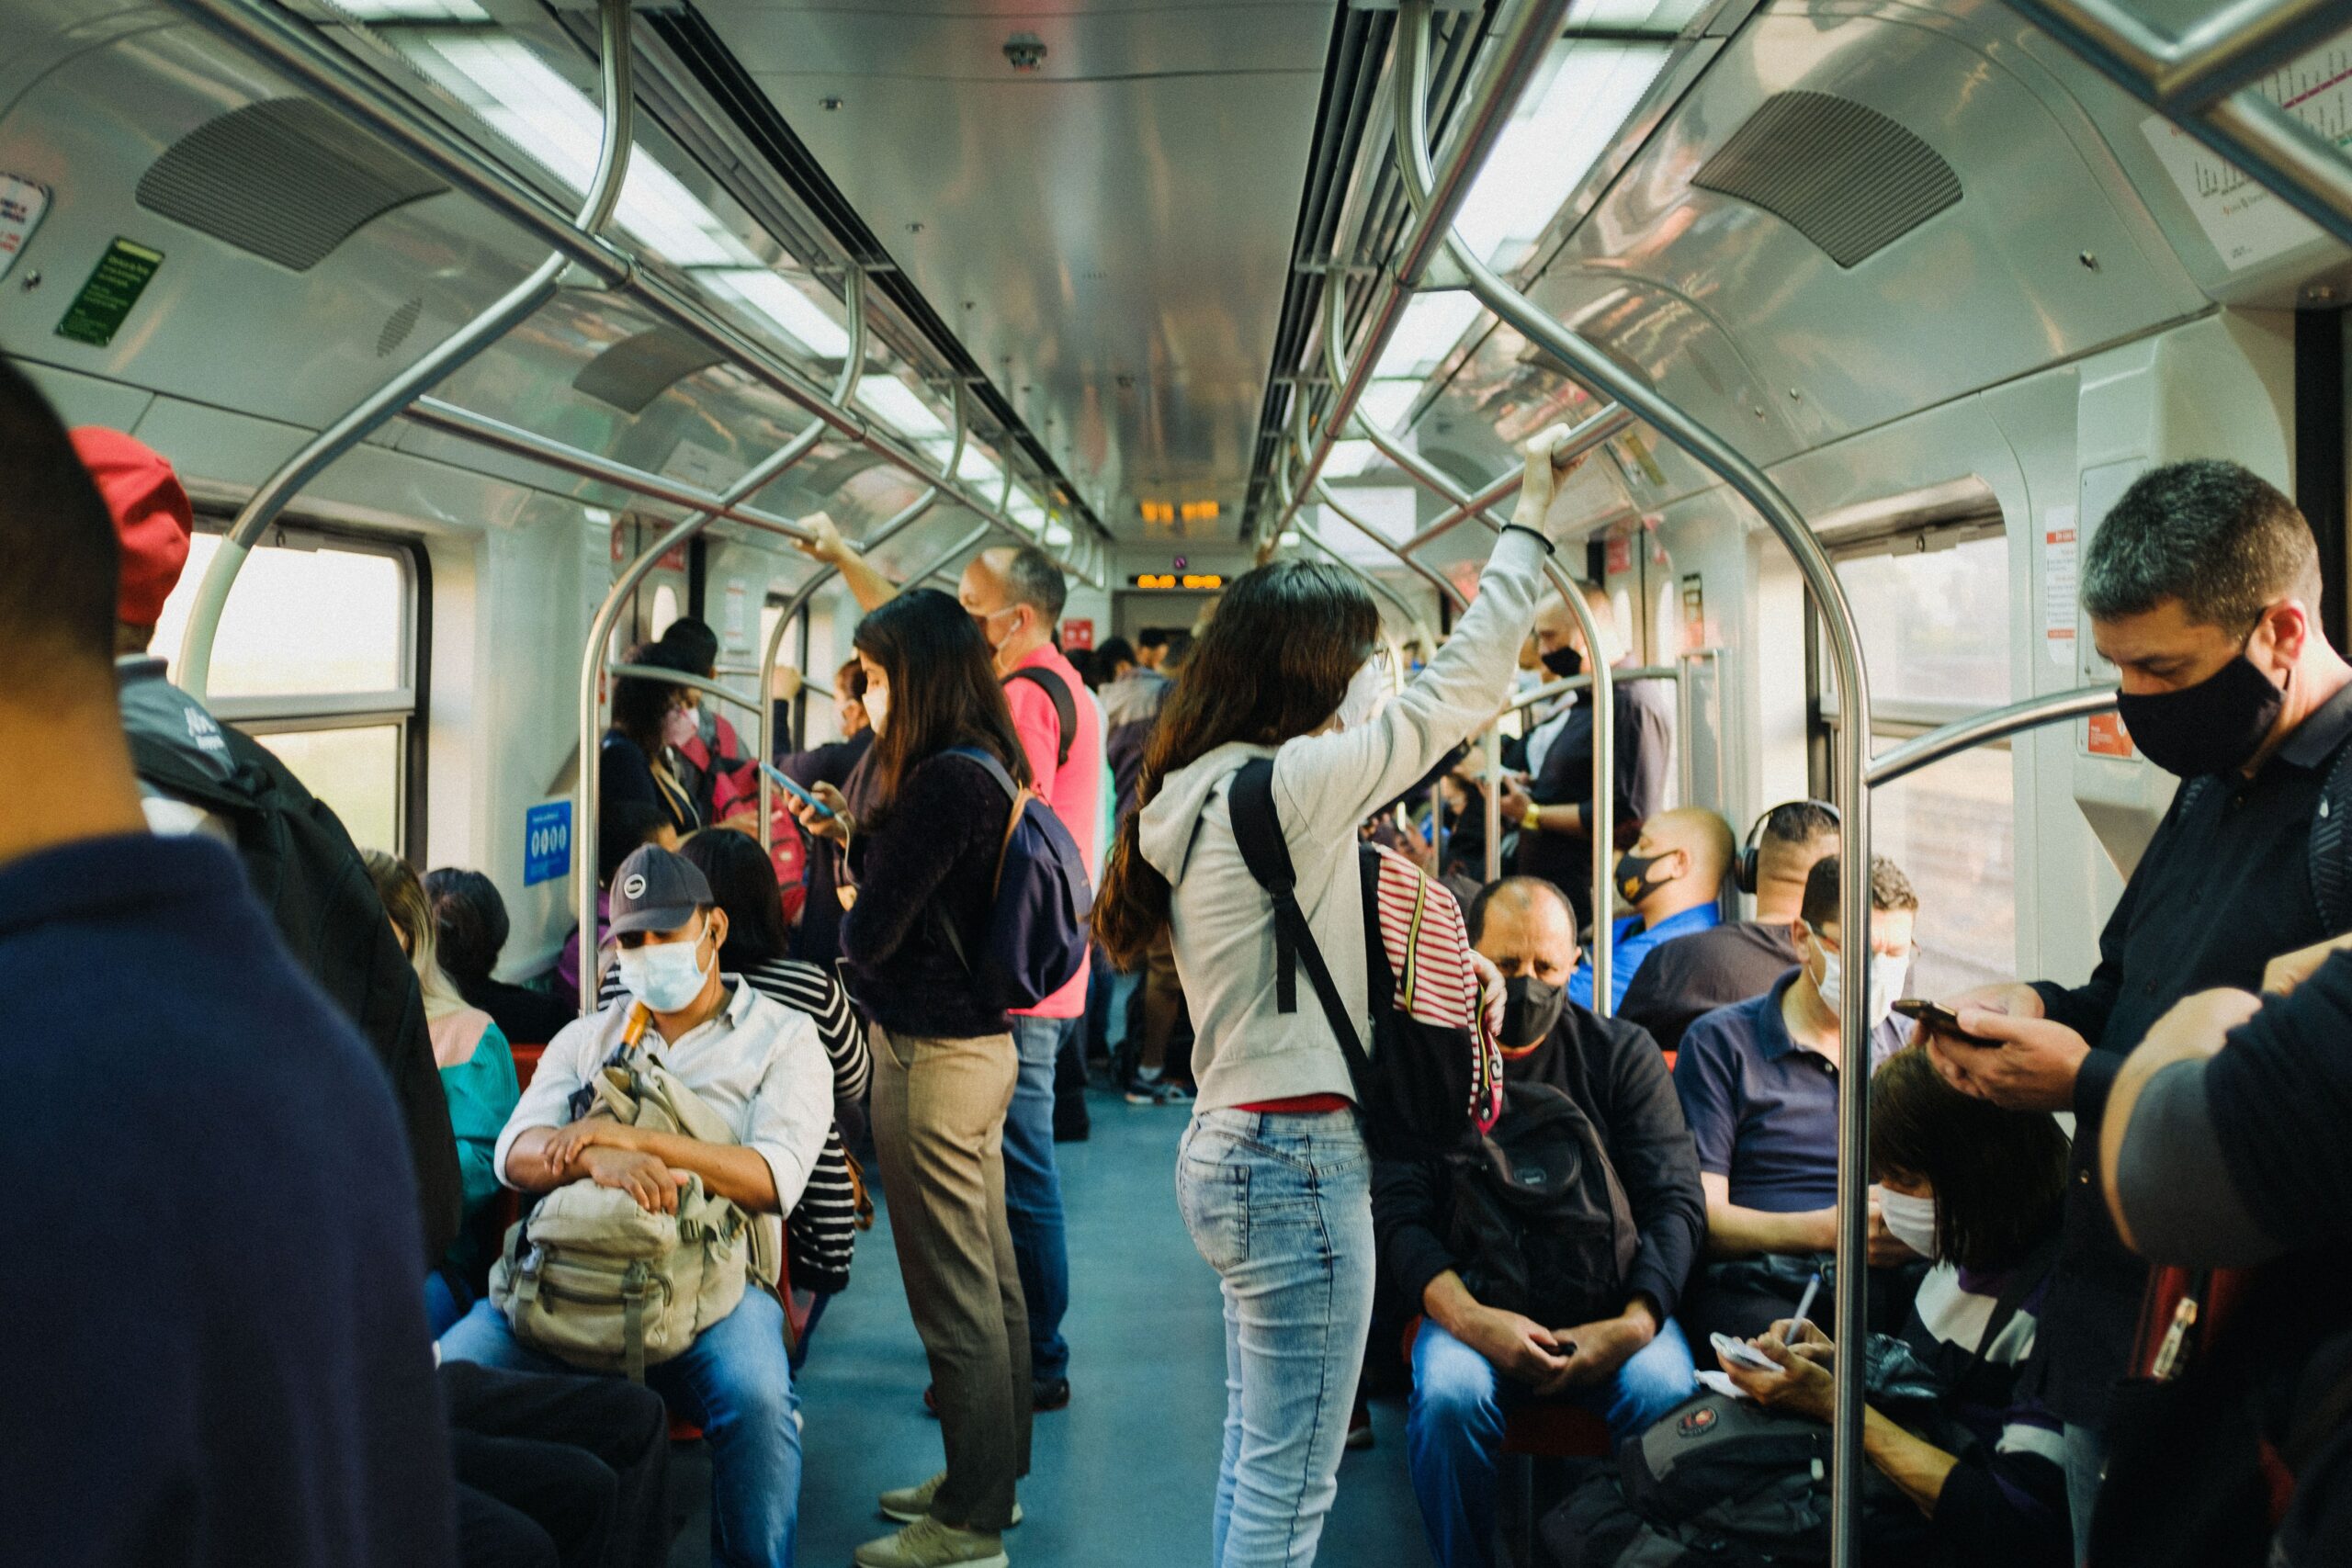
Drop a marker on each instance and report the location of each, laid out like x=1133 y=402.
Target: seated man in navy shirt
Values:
x=1758 y=1086
x=225 y=1362
x=1673 y=876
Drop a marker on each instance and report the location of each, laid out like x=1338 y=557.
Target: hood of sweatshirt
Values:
x=1164 y=828
x=1133 y=697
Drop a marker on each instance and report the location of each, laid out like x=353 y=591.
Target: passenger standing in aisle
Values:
x=818 y=938
x=1551 y=810
x=218 y=1357
x=2203 y=589
x=1273 y=1176
x=922 y=855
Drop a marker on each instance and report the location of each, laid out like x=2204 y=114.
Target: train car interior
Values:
x=491 y=340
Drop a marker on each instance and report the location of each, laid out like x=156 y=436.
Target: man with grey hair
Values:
x=2203 y=589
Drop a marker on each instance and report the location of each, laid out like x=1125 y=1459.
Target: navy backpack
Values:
x=1036 y=935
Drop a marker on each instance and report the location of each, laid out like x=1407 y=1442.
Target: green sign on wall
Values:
x=115 y=285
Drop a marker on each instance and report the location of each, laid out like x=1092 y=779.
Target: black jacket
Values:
x=1616 y=1074
x=934 y=859
x=819 y=936
x=1644 y=762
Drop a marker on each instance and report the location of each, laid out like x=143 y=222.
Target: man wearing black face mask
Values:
x=1473 y=1360
x=2203 y=588
x=1555 y=841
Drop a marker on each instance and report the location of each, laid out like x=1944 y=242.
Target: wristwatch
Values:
x=1533 y=820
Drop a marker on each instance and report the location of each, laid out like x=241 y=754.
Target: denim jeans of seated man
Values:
x=1455 y=1428
x=1280 y=1205
x=735 y=1384
x=1032 y=1193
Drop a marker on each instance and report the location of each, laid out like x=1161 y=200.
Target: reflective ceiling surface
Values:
x=1109 y=232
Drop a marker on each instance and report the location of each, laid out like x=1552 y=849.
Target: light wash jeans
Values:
x=1032 y=1193
x=2086 y=1469
x=1454 y=1427
x=734 y=1383
x=1280 y=1207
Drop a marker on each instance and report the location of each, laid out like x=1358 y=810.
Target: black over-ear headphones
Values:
x=1744 y=866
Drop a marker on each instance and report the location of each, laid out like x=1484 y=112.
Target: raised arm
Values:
x=871 y=588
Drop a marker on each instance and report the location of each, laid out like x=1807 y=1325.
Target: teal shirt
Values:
x=481 y=1093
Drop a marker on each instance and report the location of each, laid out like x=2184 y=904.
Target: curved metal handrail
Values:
x=1978 y=729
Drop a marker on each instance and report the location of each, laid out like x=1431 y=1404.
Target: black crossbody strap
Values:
x=1258 y=831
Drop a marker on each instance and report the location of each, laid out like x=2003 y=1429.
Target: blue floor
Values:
x=1126 y=1476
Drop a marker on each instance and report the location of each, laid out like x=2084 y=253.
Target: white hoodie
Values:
x=1221 y=922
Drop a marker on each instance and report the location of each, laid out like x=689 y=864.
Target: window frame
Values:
x=404 y=707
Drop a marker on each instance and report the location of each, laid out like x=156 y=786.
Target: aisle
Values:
x=1125 y=1476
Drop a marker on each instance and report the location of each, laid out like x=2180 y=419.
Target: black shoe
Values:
x=1073 y=1131
x=1050 y=1394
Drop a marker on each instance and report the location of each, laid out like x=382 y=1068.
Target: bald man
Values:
x=1673 y=876
x=1552 y=809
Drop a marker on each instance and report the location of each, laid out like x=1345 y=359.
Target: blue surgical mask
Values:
x=665 y=976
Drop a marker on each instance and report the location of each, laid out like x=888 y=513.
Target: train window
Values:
x=665 y=610
x=316 y=658
x=1933 y=607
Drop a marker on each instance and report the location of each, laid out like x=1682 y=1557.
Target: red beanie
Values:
x=151 y=517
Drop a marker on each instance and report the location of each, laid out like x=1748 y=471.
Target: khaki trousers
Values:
x=939 y=1108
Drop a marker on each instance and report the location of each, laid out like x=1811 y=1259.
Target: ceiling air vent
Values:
x=636 y=370
x=1845 y=177
x=286 y=180
x=397 y=325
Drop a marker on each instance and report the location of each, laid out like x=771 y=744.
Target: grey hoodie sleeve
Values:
x=1325 y=785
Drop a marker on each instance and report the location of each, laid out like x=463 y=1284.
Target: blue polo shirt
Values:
x=225 y=1362
x=1631 y=943
x=1762 y=1108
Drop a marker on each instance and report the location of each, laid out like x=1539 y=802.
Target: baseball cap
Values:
x=151 y=517
x=657 y=890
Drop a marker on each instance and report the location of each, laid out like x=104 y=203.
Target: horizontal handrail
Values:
x=1551 y=689
x=1978 y=729
x=667 y=677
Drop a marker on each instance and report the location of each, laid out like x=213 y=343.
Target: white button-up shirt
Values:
x=758 y=1065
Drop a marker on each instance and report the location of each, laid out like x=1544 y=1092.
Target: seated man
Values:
x=1472 y=1362
x=1673 y=876
x=1692 y=975
x=1758 y=1086
x=760 y=1068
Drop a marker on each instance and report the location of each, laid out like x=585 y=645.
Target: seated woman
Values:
x=1977 y=1188
x=469 y=923
x=477 y=1074
x=822 y=1230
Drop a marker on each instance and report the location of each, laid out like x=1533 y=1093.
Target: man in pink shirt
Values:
x=1015 y=597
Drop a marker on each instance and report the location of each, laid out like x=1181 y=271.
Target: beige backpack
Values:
x=596 y=1280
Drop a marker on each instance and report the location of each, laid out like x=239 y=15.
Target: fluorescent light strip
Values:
x=1430 y=326
x=977 y=468
x=1385 y=403
x=802 y=320
x=891 y=401
x=410 y=11
x=1349 y=458
x=1551 y=142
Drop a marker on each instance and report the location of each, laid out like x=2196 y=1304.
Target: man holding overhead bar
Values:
x=2203 y=588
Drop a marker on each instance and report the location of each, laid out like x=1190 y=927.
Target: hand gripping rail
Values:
x=1596 y=370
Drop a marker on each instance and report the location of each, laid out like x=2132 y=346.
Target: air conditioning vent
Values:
x=286 y=180
x=1845 y=177
x=636 y=370
x=397 y=325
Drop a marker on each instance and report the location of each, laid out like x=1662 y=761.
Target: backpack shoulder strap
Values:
x=996 y=770
x=2330 y=849
x=1065 y=705
x=1258 y=831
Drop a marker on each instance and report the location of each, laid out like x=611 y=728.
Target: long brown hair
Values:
x=1271 y=665
x=2000 y=1176
x=943 y=691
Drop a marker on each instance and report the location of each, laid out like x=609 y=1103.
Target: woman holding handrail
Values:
x=1273 y=1175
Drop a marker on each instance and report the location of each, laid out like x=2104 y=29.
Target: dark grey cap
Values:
x=657 y=890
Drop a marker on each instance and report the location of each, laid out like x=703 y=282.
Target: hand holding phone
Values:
x=785 y=780
x=1740 y=1353
x=1938 y=1019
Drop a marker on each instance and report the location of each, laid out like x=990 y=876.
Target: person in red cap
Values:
x=197 y=775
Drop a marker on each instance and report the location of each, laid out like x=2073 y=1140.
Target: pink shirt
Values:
x=1073 y=789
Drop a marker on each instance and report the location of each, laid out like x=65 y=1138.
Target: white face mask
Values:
x=877 y=706
x=665 y=976
x=1887 y=975
x=1367 y=697
x=1911 y=1221
x=679 y=726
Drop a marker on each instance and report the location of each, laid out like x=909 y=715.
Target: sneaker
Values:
x=1142 y=1093
x=1359 y=1428
x=1049 y=1393
x=927 y=1543
x=1174 y=1093
x=907 y=1504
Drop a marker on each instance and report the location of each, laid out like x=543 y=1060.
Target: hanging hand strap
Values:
x=1258 y=831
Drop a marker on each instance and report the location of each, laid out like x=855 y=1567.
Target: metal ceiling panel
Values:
x=1109 y=233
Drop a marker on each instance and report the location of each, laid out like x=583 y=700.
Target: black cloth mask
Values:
x=1564 y=662
x=2210 y=728
x=1531 y=1007
x=1634 y=880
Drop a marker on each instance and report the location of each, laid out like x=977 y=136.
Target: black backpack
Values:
x=1540 y=1221
x=1415 y=1089
x=305 y=871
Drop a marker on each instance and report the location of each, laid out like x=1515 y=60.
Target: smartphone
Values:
x=1940 y=1018
x=786 y=781
x=1740 y=1353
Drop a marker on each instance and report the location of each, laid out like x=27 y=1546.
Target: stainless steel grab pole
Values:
x=621 y=670
x=1851 y=752
x=453 y=354
x=1995 y=724
x=1435 y=579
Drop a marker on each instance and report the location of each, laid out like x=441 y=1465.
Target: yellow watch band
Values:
x=1532 y=821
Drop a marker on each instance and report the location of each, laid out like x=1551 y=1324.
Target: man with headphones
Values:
x=1688 y=976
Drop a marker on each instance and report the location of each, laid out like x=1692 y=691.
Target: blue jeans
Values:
x=2086 y=1468
x=734 y=1383
x=1280 y=1207
x=1455 y=1428
x=1032 y=1193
